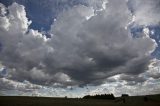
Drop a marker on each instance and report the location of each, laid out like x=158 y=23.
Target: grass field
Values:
x=153 y=100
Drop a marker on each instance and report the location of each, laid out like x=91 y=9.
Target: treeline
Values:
x=102 y=96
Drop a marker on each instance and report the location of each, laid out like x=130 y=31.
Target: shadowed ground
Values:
x=153 y=100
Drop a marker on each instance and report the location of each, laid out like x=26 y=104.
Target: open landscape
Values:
x=79 y=52
x=153 y=100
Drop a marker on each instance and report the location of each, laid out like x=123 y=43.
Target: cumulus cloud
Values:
x=101 y=46
x=22 y=48
x=81 y=50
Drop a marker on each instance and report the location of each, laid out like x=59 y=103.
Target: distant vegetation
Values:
x=124 y=95
x=102 y=96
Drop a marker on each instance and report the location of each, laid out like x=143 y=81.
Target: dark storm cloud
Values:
x=86 y=46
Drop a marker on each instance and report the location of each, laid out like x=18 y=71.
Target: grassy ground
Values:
x=40 y=101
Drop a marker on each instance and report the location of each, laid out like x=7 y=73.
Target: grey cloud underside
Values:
x=80 y=52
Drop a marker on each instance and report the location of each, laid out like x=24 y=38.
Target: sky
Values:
x=73 y=48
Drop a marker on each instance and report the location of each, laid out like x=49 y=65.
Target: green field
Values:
x=153 y=100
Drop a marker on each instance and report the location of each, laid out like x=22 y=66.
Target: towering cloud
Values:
x=101 y=46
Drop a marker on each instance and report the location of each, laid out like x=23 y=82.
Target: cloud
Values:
x=132 y=79
x=146 y=13
x=154 y=70
x=22 y=48
x=81 y=50
x=6 y=84
x=101 y=46
x=97 y=5
x=42 y=18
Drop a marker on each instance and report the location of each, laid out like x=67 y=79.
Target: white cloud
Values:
x=97 y=5
x=38 y=74
x=23 y=49
x=2 y=10
x=17 y=18
x=61 y=77
x=146 y=12
x=7 y=84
